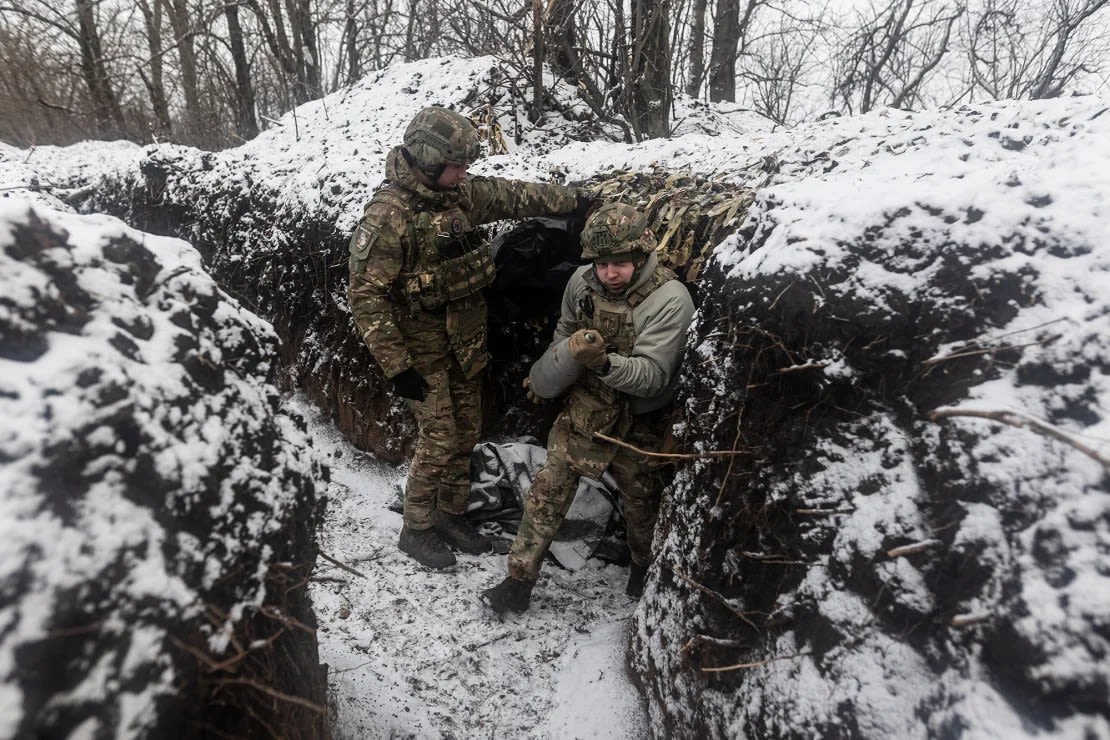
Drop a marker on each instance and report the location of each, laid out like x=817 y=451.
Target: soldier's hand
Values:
x=410 y=384
x=531 y=393
x=588 y=347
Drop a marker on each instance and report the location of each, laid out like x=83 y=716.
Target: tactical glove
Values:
x=531 y=393
x=588 y=347
x=410 y=384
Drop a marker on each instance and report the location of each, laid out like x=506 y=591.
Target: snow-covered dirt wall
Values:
x=158 y=506
x=861 y=569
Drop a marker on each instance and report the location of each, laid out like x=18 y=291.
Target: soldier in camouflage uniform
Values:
x=417 y=273
x=625 y=319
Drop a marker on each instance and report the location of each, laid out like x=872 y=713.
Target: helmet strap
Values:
x=432 y=172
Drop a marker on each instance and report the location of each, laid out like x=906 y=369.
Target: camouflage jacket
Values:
x=416 y=273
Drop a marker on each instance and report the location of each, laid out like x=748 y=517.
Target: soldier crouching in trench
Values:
x=623 y=320
x=417 y=274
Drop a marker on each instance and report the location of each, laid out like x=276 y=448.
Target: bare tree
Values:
x=41 y=100
x=1020 y=52
x=775 y=69
x=184 y=30
x=888 y=60
x=106 y=108
x=561 y=28
x=350 y=44
x=647 y=77
x=246 y=122
x=155 y=79
x=730 y=28
x=697 y=49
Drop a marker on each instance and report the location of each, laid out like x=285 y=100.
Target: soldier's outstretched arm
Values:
x=376 y=261
x=495 y=198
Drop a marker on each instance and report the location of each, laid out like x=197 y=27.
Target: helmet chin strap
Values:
x=432 y=172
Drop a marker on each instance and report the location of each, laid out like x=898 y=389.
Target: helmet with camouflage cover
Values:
x=437 y=136
x=616 y=231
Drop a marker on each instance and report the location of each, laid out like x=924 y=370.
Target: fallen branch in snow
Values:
x=972 y=348
x=811 y=365
x=496 y=638
x=1021 y=420
x=756 y=664
x=727 y=602
x=775 y=559
x=968 y=620
x=823 y=512
x=671 y=455
x=710 y=640
x=911 y=549
x=376 y=555
x=987 y=350
x=335 y=562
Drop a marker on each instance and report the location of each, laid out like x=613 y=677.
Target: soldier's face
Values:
x=453 y=175
x=615 y=275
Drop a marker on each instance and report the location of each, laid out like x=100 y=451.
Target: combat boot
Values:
x=511 y=593
x=456 y=531
x=637 y=574
x=425 y=547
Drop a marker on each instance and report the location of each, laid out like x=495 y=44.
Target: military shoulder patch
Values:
x=362 y=241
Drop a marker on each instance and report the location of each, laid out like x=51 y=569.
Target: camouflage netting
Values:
x=159 y=507
x=688 y=214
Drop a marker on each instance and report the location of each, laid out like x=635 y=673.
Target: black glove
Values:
x=409 y=383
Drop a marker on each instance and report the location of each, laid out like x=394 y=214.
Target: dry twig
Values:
x=670 y=455
x=281 y=696
x=968 y=620
x=911 y=549
x=335 y=562
x=987 y=350
x=1021 y=420
x=756 y=664
x=727 y=602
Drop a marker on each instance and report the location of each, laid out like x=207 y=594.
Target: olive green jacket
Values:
x=412 y=304
x=660 y=322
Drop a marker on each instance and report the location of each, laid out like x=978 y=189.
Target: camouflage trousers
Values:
x=449 y=419
x=640 y=480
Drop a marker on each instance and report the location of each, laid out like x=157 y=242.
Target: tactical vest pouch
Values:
x=451 y=280
x=466 y=334
x=587 y=413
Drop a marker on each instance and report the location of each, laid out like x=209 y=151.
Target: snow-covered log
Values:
x=861 y=569
x=157 y=505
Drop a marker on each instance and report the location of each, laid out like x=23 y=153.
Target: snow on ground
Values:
x=412 y=652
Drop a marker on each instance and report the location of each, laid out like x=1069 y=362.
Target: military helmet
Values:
x=616 y=229
x=437 y=136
